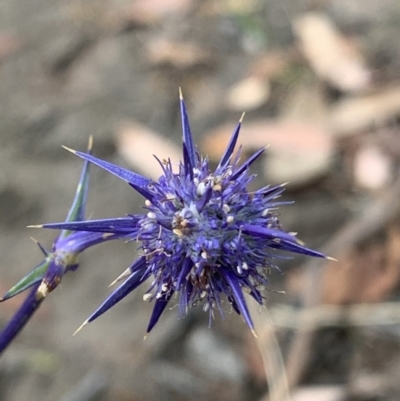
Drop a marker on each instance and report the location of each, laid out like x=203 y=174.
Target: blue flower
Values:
x=63 y=258
x=204 y=237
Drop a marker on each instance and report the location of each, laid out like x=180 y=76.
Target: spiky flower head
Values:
x=204 y=236
x=63 y=257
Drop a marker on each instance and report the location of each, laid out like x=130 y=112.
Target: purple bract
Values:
x=203 y=238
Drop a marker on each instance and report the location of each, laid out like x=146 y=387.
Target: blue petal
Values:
x=184 y=271
x=296 y=248
x=123 y=290
x=79 y=241
x=247 y=164
x=271 y=192
x=187 y=136
x=263 y=232
x=237 y=293
x=186 y=162
x=158 y=309
x=231 y=146
x=117 y=225
x=135 y=180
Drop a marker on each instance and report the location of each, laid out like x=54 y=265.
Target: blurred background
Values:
x=320 y=83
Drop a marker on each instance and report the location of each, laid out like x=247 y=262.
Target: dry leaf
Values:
x=177 y=54
x=357 y=114
x=146 y=12
x=248 y=94
x=137 y=144
x=361 y=276
x=319 y=393
x=330 y=54
x=372 y=167
x=298 y=152
x=347 y=281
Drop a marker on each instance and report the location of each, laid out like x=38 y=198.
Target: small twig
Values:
x=278 y=389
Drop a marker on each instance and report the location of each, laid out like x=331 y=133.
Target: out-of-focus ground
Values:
x=320 y=82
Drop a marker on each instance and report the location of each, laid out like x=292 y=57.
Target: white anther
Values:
x=204 y=255
x=226 y=208
x=147 y=297
x=147 y=203
x=201 y=188
x=264 y=212
x=230 y=219
x=151 y=215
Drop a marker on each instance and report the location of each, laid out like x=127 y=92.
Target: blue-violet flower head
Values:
x=204 y=237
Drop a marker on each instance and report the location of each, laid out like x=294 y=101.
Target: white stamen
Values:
x=147 y=297
x=226 y=208
x=230 y=219
x=201 y=188
x=147 y=203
